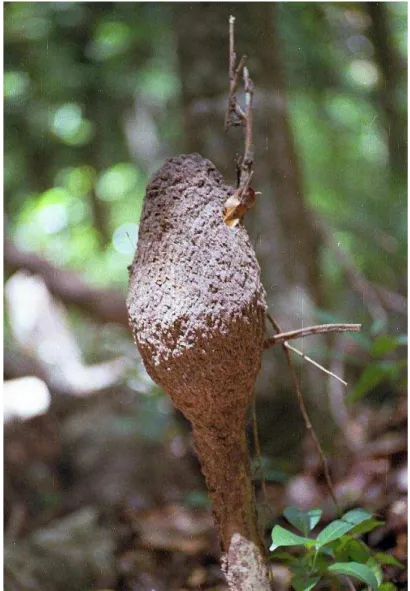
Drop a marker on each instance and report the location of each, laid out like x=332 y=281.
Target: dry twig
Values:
x=244 y=197
x=315 y=363
x=235 y=208
x=282 y=338
x=305 y=415
x=310 y=330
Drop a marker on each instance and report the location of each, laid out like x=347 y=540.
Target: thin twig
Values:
x=248 y=155
x=305 y=415
x=234 y=72
x=313 y=362
x=244 y=197
x=310 y=330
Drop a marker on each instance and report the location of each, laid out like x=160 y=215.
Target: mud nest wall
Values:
x=197 y=311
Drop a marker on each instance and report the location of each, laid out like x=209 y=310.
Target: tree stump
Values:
x=197 y=310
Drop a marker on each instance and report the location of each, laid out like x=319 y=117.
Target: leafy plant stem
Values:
x=314 y=561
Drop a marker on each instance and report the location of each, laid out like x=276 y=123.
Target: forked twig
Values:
x=283 y=338
x=305 y=415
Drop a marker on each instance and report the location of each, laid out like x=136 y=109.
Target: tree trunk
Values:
x=390 y=68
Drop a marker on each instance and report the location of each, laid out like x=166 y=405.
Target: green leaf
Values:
x=328 y=551
x=373 y=375
x=283 y=537
x=333 y=531
x=304 y=521
x=356 y=551
x=387 y=587
x=370 y=378
x=356 y=516
x=321 y=563
x=383 y=345
x=376 y=569
x=304 y=584
x=356 y=570
x=284 y=557
x=366 y=526
x=387 y=559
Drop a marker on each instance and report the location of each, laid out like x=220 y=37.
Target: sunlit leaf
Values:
x=333 y=531
x=356 y=516
x=284 y=537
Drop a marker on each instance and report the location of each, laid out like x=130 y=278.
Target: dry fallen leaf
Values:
x=236 y=206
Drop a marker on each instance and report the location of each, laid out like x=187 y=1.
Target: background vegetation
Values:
x=94 y=100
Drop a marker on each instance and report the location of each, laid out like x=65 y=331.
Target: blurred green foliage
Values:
x=73 y=71
x=92 y=99
x=335 y=86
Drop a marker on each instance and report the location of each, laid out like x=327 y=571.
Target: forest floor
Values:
x=94 y=501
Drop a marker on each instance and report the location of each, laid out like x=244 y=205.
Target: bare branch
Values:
x=106 y=305
x=234 y=72
x=302 y=407
x=310 y=330
x=310 y=360
x=248 y=155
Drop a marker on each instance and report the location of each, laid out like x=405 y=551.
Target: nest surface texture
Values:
x=195 y=302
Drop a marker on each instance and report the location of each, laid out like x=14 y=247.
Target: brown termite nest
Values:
x=197 y=310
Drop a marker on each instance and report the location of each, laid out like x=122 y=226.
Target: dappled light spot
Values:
x=25 y=398
x=116 y=182
x=110 y=40
x=364 y=73
x=15 y=85
x=125 y=238
x=69 y=125
x=53 y=218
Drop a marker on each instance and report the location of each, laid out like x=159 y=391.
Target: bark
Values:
x=107 y=305
x=281 y=226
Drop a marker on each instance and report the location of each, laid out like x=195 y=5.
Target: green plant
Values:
x=387 y=363
x=335 y=551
